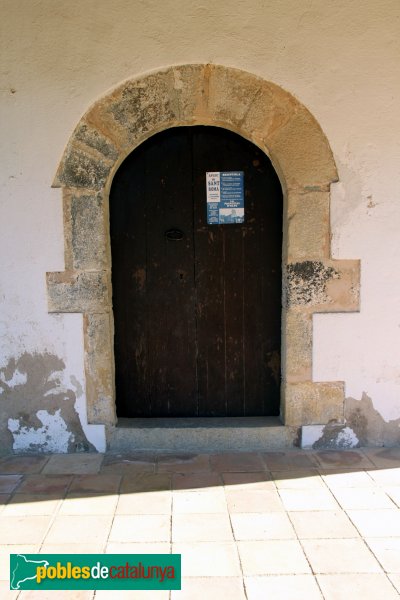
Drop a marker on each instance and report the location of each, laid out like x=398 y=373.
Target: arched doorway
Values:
x=283 y=128
x=197 y=305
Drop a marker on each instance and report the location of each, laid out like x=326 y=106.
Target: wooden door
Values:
x=197 y=307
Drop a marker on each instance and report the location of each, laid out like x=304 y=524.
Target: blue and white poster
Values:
x=225 y=197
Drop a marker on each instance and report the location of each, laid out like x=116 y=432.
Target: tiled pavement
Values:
x=289 y=525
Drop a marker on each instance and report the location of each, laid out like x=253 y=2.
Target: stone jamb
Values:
x=284 y=129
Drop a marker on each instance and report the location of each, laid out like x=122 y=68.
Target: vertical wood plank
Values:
x=171 y=275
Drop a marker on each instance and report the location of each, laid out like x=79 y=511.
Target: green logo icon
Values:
x=95 y=572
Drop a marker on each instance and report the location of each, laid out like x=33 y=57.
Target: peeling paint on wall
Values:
x=53 y=436
x=37 y=412
x=332 y=436
x=364 y=426
x=369 y=425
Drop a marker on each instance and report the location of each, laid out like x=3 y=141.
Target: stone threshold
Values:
x=203 y=434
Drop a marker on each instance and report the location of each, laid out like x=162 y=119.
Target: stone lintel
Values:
x=78 y=291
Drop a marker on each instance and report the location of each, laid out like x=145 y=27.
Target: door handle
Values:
x=174 y=235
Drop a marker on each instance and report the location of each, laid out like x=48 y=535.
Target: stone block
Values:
x=78 y=292
x=303 y=153
x=270 y=109
x=298 y=345
x=323 y=286
x=189 y=88
x=88 y=232
x=144 y=106
x=230 y=95
x=309 y=403
x=82 y=168
x=99 y=369
x=308 y=235
x=93 y=138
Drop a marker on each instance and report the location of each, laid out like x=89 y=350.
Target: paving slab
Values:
x=203 y=501
x=129 y=463
x=358 y=586
x=88 y=504
x=22 y=464
x=73 y=464
x=23 y=530
x=262 y=526
x=236 y=462
x=273 y=557
x=308 y=499
x=340 y=556
x=387 y=551
x=253 y=501
x=141 y=528
x=23 y=505
x=75 y=529
x=343 y=458
x=323 y=524
x=208 y=559
x=145 y=503
x=308 y=479
x=8 y=483
x=285 y=587
x=183 y=463
x=376 y=523
x=211 y=588
x=283 y=461
x=214 y=527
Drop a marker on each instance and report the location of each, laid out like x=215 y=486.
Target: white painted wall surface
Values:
x=340 y=59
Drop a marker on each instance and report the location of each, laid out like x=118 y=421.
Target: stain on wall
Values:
x=37 y=412
x=306 y=282
x=364 y=426
x=334 y=436
x=369 y=425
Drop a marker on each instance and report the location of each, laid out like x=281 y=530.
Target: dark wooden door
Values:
x=197 y=307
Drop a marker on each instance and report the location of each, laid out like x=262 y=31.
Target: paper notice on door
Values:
x=225 y=197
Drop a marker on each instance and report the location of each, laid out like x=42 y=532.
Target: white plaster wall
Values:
x=341 y=59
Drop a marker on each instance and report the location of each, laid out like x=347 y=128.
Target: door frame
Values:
x=276 y=122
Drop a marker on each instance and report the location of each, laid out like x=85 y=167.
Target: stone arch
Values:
x=285 y=130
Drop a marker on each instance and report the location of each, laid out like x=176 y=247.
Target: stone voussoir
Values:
x=226 y=101
x=302 y=152
x=83 y=167
x=93 y=138
x=139 y=106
